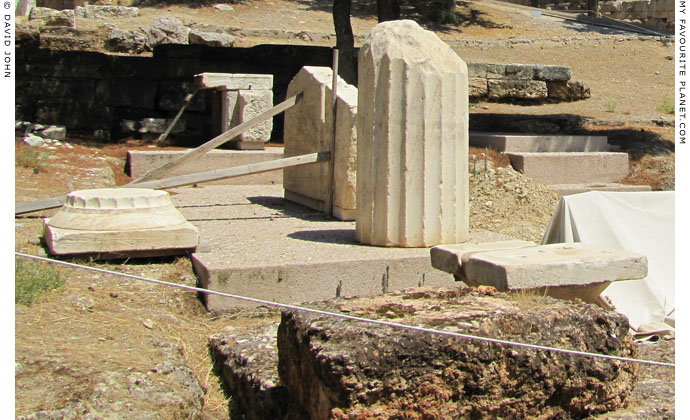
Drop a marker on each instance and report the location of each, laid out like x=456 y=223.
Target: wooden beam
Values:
x=330 y=195
x=188 y=99
x=253 y=168
x=217 y=141
x=197 y=178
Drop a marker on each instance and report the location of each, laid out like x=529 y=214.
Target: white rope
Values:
x=352 y=318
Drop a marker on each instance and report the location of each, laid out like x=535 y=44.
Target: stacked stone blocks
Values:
x=238 y=99
x=531 y=82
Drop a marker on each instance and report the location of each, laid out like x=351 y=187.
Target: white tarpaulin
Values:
x=641 y=222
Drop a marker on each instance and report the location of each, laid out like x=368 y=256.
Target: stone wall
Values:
x=656 y=13
x=92 y=93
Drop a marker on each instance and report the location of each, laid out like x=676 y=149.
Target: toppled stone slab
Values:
x=344 y=369
x=553 y=265
x=112 y=223
x=248 y=361
x=449 y=257
x=109 y=12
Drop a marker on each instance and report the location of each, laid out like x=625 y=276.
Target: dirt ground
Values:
x=148 y=343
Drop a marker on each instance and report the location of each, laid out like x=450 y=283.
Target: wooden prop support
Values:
x=328 y=205
x=188 y=99
x=217 y=141
x=197 y=178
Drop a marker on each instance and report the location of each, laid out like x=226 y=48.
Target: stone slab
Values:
x=250 y=104
x=255 y=243
x=505 y=142
x=449 y=257
x=568 y=189
x=233 y=81
x=571 y=167
x=140 y=162
x=309 y=129
x=571 y=264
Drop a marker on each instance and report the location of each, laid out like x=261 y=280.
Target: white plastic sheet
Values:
x=641 y=222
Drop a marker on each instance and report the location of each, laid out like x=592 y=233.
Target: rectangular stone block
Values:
x=552 y=73
x=518 y=89
x=519 y=71
x=571 y=168
x=486 y=70
x=140 y=162
x=478 y=87
x=554 y=265
x=234 y=81
x=449 y=258
x=309 y=129
x=251 y=103
x=539 y=143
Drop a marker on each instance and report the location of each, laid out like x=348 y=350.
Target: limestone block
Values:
x=228 y=111
x=234 y=81
x=117 y=222
x=212 y=39
x=341 y=369
x=126 y=41
x=553 y=265
x=309 y=129
x=251 y=103
x=503 y=142
x=478 y=87
x=166 y=30
x=519 y=71
x=552 y=73
x=108 y=12
x=51 y=17
x=449 y=258
x=519 y=89
x=412 y=139
x=568 y=91
x=570 y=168
x=487 y=70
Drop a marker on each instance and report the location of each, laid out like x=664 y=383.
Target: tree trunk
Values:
x=388 y=10
x=345 y=41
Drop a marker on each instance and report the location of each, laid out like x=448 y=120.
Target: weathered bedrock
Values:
x=344 y=369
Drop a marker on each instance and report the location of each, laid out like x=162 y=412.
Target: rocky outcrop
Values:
x=166 y=30
x=126 y=41
x=343 y=369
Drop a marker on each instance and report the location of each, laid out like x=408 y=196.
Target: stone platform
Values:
x=568 y=189
x=141 y=162
x=254 y=243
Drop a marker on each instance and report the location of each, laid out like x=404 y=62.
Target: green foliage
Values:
x=444 y=16
x=667 y=106
x=32 y=279
x=32 y=158
x=611 y=106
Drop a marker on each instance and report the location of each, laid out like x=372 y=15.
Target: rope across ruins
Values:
x=350 y=317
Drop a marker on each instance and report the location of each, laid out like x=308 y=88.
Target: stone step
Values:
x=505 y=142
x=568 y=189
x=141 y=162
x=572 y=168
